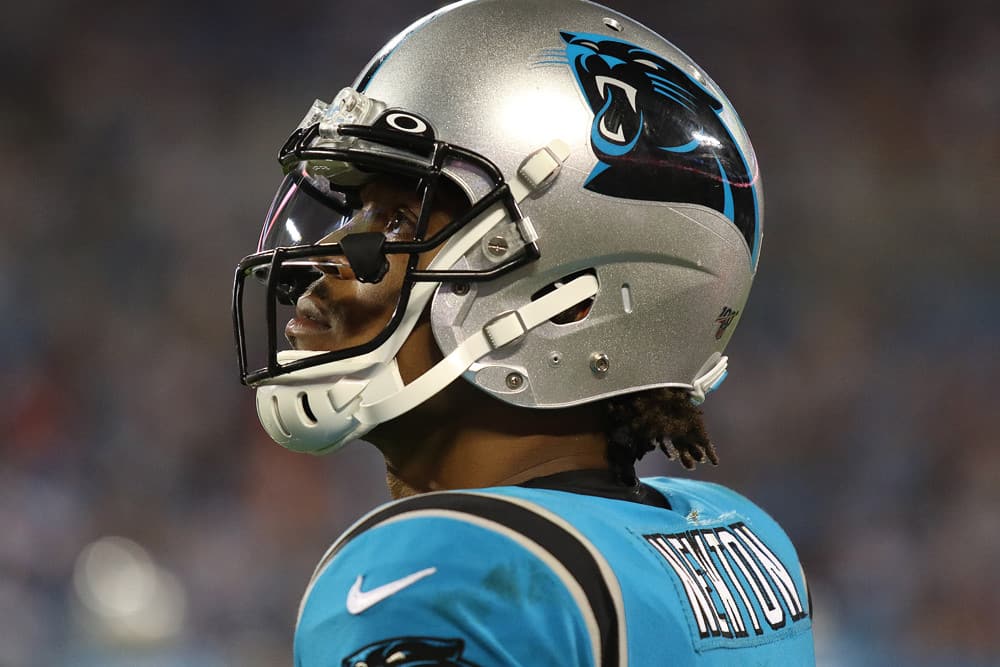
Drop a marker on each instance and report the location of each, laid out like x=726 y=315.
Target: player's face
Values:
x=337 y=311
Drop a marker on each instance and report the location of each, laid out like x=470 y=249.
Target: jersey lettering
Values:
x=730 y=578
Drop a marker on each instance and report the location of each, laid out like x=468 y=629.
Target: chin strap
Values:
x=306 y=411
x=710 y=381
x=347 y=409
x=498 y=332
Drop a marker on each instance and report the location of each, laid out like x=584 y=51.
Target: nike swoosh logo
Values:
x=359 y=600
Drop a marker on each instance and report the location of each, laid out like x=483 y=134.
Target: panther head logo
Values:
x=657 y=132
x=410 y=652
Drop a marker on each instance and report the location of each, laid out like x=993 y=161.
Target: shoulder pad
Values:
x=545 y=534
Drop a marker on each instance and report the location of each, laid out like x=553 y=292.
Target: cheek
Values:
x=438 y=221
x=368 y=307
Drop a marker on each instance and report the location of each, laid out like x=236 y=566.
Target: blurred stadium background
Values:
x=145 y=519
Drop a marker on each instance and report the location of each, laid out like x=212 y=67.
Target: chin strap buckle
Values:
x=710 y=381
x=504 y=329
x=539 y=169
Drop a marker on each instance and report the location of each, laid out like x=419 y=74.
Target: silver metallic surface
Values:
x=484 y=75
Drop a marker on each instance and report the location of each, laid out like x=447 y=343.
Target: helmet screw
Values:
x=599 y=363
x=461 y=289
x=497 y=246
x=515 y=380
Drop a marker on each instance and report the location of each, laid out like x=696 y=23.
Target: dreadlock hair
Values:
x=664 y=418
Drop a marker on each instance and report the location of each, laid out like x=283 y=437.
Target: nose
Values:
x=292 y=282
x=338 y=270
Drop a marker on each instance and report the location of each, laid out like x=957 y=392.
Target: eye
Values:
x=402 y=226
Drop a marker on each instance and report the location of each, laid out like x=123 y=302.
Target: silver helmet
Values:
x=608 y=177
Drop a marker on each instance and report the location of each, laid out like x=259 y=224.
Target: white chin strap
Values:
x=321 y=417
x=321 y=408
x=709 y=381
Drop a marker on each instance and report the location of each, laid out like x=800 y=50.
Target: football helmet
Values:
x=612 y=234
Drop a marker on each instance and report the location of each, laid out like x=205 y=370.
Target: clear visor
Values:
x=319 y=293
x=305 y=210
x=311 y=210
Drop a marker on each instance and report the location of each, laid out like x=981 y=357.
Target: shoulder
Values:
x=436 y=522
x=729 y=522
x=682 y=487
x=707 y=500
x=464 y=567
x=709 y=504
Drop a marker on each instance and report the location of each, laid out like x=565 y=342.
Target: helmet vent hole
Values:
x=276 y=413
x=627 y=298
x=306 y=409
x=576 y=313
x=613 y=24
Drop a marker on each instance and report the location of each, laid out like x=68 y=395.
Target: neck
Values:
x=466 y=439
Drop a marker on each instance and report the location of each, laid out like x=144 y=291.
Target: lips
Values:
x=310 y=320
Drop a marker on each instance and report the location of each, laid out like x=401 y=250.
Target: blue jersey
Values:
x=513 y=576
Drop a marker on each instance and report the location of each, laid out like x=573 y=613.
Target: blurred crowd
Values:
x=145 y=519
